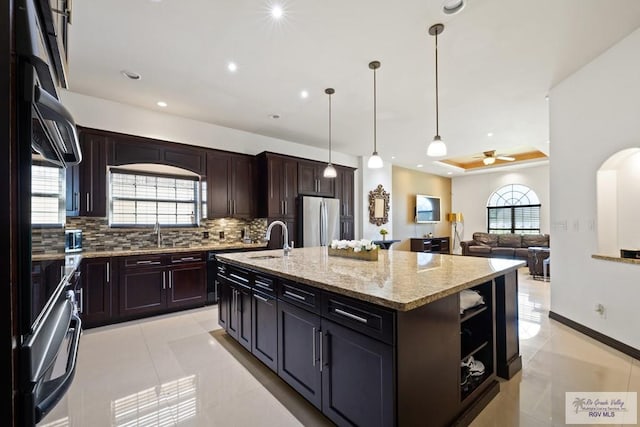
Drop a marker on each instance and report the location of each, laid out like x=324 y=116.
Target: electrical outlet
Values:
x=205 y=234
x=601 y=310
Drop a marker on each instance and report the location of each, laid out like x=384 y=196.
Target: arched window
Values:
x=514 y=208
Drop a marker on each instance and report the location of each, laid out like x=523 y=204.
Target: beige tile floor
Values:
x=181 y=369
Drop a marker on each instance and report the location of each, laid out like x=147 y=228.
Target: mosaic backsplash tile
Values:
x=98 y=236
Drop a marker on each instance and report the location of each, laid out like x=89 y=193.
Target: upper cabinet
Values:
x=132 y=149
x=311 y=180
x=230 y=185
x=344 y=190
x=278 y=185
x=87 y=182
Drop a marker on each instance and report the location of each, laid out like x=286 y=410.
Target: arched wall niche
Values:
x=618 y=202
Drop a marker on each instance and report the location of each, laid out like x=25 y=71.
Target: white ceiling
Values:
x=497 y=61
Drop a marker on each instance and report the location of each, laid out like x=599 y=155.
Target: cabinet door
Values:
x=93 y=176
x=344 y=191
x=242 y=187
x=357 y=378
x=97 y=292
x=326 y=186
x=143 y=291
x=346 y=229
x=224 y=305
x=244 y=298
x=72 y=183
x=299 y=351
x=187 y=285
x=289 y=187
x=218 y=197
x=264 y=333
x=307 y=183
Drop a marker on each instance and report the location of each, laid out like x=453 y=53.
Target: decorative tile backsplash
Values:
x=98 y=236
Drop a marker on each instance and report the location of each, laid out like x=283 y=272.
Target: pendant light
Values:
x=329 y=171
x=375 y=161
x=437 y=147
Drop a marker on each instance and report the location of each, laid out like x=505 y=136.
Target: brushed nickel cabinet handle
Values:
x=313 y=346
x=321 y=356
x=260 y=298
x=350 y=315
x=296 y=296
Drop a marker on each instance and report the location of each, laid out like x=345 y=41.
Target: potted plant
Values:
x=383 y=233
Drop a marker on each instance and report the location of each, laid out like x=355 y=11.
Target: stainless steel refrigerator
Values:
x=320 y=221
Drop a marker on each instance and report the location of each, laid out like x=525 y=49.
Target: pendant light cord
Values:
x=375 y=146
x=329 y=128
x=437 y=112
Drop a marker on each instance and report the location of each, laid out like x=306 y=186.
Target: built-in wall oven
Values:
x=50 y=327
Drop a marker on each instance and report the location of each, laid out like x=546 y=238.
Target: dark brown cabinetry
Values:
x=230 y=186
x=97 y=292
x=236 y=297
x=264 y=329
x=128 y=149
x=344 y=188
x=438 y=245
x=86 y=183
x=154 y=284
x=311 y=180
x=278 y=185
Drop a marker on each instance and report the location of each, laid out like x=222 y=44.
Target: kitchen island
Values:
x=377 y=342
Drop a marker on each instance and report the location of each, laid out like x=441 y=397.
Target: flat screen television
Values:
x=427 y=209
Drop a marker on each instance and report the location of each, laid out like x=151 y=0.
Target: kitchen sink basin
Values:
x=265 y=257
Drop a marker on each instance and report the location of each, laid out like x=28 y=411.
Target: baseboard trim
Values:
x=598 y=336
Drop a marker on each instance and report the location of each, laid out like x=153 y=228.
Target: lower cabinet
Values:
x=357 y=377
x=96 y=292
x=264 y=329
x=299 y=360
x=156 y=284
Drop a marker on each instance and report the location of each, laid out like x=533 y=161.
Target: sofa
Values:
x=510 y=246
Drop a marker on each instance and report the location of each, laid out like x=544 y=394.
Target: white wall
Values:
x=629 y=203
x=470 y=195
x=593 y=114
x=370 y=179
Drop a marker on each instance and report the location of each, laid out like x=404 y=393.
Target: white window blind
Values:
x=47 y=203
x=514 y=208
x=141 y=199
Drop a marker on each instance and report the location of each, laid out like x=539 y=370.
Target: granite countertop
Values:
x=399 y=280
x=616 y=259
x=151 y=250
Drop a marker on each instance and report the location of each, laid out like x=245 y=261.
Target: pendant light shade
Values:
x=329 y=171
x=437 y=147
x=375 y=161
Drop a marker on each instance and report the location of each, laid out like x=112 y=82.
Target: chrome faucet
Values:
x=287 y=249
x=156 y=230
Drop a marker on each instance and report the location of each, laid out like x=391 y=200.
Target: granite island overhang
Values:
x=399 y=280
x=377 y=343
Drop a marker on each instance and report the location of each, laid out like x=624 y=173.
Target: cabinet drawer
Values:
x=370 y=320
x=233 y=275
x=143 y=261
x=300 y=295
x=264 y=284
x=187 y=257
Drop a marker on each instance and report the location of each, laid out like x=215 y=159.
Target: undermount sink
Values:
x=264 y=257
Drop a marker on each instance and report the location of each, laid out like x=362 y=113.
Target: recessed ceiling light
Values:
x=548 y=142
x=232 y=66
x=449 y=173
x=131 y=74
x=304 y=94
x=418 y=166
x=451 y=7
x=546 y=98
x=274 y=116
x=490 y=134
x=276 y=11
x=161 y=104
x=393 y=157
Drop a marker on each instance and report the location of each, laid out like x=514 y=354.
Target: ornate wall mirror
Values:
x=378 y=206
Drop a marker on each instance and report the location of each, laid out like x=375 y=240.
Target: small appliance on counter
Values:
x=630 y=253
x=72 y=241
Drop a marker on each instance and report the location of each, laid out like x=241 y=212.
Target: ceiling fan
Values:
x=490 y=157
